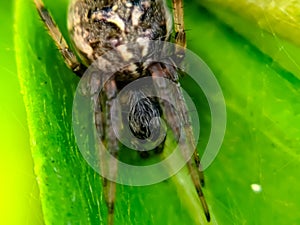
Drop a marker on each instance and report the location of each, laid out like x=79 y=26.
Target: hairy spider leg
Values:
x=180 y=36
x=193 y=164
x=69 y=57
x=113 y=148
x=180 y=39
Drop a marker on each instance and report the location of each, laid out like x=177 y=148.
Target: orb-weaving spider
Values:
x=97 y=26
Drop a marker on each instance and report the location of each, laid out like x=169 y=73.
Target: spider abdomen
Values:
x=99 y=26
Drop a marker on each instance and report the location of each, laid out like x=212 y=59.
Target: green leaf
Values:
x=273 y=27
x=261 y=145
x=18 y=189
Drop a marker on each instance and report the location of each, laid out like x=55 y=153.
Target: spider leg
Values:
x=157 y=71
x=70 y=58
x=103 y=121
x=113 y=148
x=180 y=38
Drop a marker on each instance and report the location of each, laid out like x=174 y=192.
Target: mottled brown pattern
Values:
x=96 y=27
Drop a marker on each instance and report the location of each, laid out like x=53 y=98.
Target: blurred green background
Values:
x=256 y=60
x=19 y=198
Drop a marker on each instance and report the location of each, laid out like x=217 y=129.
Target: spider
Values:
x=97 y=26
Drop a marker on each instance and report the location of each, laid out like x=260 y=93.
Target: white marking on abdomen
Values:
x=136 y=14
